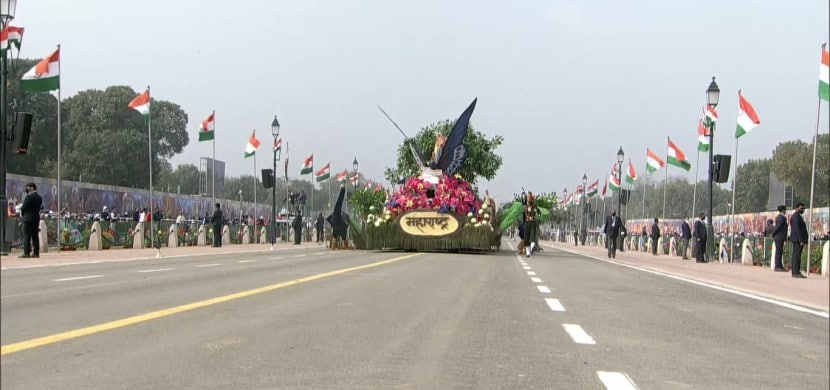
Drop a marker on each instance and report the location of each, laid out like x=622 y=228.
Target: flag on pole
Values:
x=308 y=165
x=353 y=178
x=631 y=175
x=702 y=137
x=10 y=36
x=677 y=158
x=141 y=103
x=709 y=114
x=592 y=189
x=207 y=127
x=252 y=146
x=747 y=119
x=824 y=74
x=613 y=179
x=323 y=174
x=278 y=145
x=342 y=176
x=653 y=162
x=45 y=75
x=604 y=189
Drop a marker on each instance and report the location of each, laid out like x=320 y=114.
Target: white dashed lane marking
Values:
x=535 y=280
x=554 y=304
x=208 y=265
x=526 y=268
x=616 y=380
x=78 y=278
x=247 y=261
x=278 y=258
x=578 y=335
x=319 y=253
x=531 y=273
x=143 y=271
x=543 y=289
x=302 y=255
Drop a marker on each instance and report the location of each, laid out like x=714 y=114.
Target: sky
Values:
x=566 y=82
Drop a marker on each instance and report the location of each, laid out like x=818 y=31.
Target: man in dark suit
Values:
x=612 y=231
x=216 y=222
x=30 y=219
x=779 y=235
x=655 y=236
x=319 y=226
x=798 y=237
x=685 y=236
x=700 y=238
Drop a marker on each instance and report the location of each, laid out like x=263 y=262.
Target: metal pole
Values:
x=273 y=232
x=58 y=203
x=665 y=185
x=732 y=224
x=213 y=167
x=694 y=192
x=710 y=229
x=5 y=247
x=812 y=188
x=150 y=153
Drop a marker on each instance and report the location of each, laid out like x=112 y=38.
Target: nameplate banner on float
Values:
x=428 y=223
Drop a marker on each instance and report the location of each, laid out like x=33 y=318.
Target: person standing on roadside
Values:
x=216 y=223
x=700 y=239
x=685 y=236
x=612 y=231
x=798 y=238
x=655 y=236
x=30 y=218
x=779 y=235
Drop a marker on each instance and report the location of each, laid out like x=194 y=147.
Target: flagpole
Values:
x=150 y=154
x=813 y=186
x=665 y=183
x=732 y=212
x=255 y=204
x=694 y=192
x=213 y=162
x=644 y=196
x=58 y=228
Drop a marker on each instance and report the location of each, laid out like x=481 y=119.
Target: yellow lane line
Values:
x=72 y=334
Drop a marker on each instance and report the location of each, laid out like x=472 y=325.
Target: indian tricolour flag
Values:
x=702 y=137
x=252 y=146
x=747 y=119
x=10 y=36
x=308 y=165
x=653 y=162
x=824 y=74
x=604 y=189
x=342 y=176
x=631 y=174
x=278 y=145
x=323 y=174
x=593 y=188
x=709 y=114
x=677 y=158
x=207 y=128
x=45 y=76
x=613 y=179
x=141 y=103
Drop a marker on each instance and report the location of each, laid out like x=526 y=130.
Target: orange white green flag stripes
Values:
x=653 y=162
x=342 y=176
x=824 y=74
x=141 y=103
x=278 y=145
x=9 y=36
x=308 y=165
x=709 y=114
x=631 y=174
x=613 y=179
x=44 y=76
x=207 y=128
x=747 y=119
x=677 y=158
x=324 y=173
x=252 y=146
x=593 y=188
x=702 y=137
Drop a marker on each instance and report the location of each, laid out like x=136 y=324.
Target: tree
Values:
x=752 y=186
x=792 y=163
x=184 y=178
x=482 y=160
x=106 y=142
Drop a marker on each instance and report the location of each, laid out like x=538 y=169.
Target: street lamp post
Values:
x=562 y=226
x=620 y=159
x=582 y=205
x=275 y=131
x=712 y=97
x=7 y=10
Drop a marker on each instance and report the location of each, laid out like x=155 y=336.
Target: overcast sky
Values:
x=565 y=82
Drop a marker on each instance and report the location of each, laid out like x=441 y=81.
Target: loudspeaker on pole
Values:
x=267 y=178
x=22 y=130
x=720 y=168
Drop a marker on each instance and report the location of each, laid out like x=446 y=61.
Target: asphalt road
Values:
x=357 y=320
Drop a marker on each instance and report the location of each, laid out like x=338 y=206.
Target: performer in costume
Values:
x=530 y=218
x=338 y=223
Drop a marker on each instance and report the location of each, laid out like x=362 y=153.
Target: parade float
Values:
x=437 y=210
